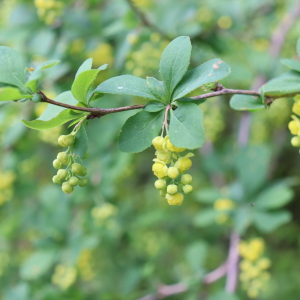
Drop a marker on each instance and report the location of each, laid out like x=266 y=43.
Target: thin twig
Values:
x=97 y=112
x=233 y=266
x=280 y=33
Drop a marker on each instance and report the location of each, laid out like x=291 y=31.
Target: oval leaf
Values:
x=210 y=71
x=174 y=62
x=268 y=222
x=126 y=85
x=12 y=68
x=82 y=84
x=139 y=131
x=186 y=126
x=288 y=83
x=274 y=197
x=246 y=102
x=62 y=118
x=291 y=63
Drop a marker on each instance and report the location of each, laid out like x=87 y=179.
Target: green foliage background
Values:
x=119 y=238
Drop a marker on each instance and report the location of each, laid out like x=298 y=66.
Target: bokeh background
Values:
x=117 y=238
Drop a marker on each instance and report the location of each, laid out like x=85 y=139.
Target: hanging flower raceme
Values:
x=170 y=167
x=254 y=267
x=294 y=125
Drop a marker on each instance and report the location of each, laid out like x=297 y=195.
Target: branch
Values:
x=233 y=266
x=280 y=33
x=95 y=111
x=164 y=291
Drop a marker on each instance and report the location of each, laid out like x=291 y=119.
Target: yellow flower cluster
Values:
x=102 y=213
x=64 y=276
x=85 y=265
x=144 y=61
x=294 y=125
x=7 y=179
x=49 y=10
x=223 y=206
x=254 y=266
x=169 y=166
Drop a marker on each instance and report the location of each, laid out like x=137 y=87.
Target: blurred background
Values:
x=117 y=238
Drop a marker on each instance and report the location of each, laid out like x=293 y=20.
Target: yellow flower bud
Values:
x=159 y=169
x=160 y=184
x=172 y=189
x=186 y=178
x=187 y=189
x=172 y=148
x=157 y=142
x=176 y=199
x=173 y=172
x=296 y=108
x=295 y=141
x=263 y=263
x=164 y=156
x=293 y=127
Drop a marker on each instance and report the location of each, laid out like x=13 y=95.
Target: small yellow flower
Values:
x=172 y=148
x=64 y=276
x=159 y=169
x=176 y=199
x=158 y=142
x=224 y=204
x=293 y=127
x=296 y=108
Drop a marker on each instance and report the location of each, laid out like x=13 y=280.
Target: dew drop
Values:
x=120 y=87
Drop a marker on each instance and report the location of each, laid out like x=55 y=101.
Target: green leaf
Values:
x=206 y=217
x=291 y=63
x=196 y=101
x=242 y=218
x=298 y=47
x=210 y=71
x=288 y=83
x=82 y=84
x=196 y=255
x=35 y=75
x=273 y=197
x=186 y=127
x=37 y=264
x=268 y=222
x=139 y=131
x=174 y=62
x=246 y=102
x=154 y=106
x=86 y=65
x=12 y=68
x=103 y=67
x=62 y=118
x=53 y=110
x=81 y=142
x=10 y=93
x=157 y=88
x=252 y=165
x=126 y=85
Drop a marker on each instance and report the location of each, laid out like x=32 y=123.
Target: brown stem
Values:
x=232 y=264
x=96 y=112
